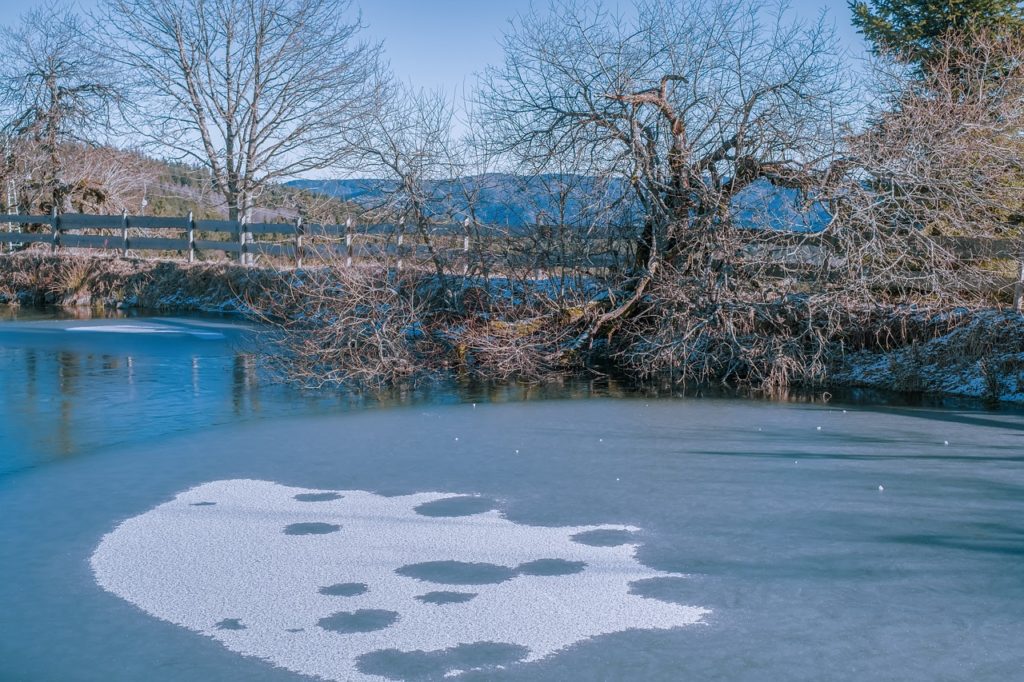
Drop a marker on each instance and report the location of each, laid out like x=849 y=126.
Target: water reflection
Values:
x=69 y=387
x=10 y=313
x=244 y=398
x=66 y=393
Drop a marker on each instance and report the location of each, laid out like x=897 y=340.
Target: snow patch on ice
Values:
x=231 y=571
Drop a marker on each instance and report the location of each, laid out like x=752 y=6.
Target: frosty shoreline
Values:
x=980 y=358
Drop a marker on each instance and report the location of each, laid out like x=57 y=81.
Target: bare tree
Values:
x=56 y=97
x=407 y=141
x=688 y=104
x=254 y=90
x=692 y=107
x=937 y=164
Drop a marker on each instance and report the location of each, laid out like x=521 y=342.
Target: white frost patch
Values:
x=146 y=329
x=229 y=570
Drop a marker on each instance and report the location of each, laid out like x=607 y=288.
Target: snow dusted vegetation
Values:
x=350 y=585
x=980 y=358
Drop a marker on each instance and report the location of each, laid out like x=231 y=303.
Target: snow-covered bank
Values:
x=981 y=357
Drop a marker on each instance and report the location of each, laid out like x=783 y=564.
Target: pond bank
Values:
x=981 y=357
x=977 y=354
x=65 y=280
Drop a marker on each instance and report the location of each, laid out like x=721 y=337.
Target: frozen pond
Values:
x=602 y=539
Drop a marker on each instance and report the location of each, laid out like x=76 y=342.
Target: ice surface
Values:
x=237 y=572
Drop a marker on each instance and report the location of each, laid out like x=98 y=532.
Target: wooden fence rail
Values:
x=63 y=231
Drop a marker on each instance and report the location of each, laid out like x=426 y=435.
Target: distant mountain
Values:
x=764 y=205
x=518 y=202
x=499 y=199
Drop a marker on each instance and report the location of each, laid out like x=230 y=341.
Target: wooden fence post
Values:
x=54 y=230
x=124 y=233
x=249 y=255
x=299 y=231
x=240 y=234
x=400 y=250
x=466 y=224
x=191 y=237
x=348 y=242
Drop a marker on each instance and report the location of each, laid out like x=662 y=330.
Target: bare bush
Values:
x=57 y=99
x=941 y=164
x=371 y=326
x=751 y=340
x=518 y=333
x=348 y=326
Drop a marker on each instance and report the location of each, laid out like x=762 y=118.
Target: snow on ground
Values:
x=350 y=585
x=982 y=358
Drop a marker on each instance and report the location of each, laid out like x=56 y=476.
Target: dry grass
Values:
x=32 y=278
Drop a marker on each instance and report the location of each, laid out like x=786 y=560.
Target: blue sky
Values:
x=442 y=43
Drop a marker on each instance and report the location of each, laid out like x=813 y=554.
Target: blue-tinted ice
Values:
x=810 y=572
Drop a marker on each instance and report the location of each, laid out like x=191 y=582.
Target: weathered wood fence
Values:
x=297 y=240
x=126 y=233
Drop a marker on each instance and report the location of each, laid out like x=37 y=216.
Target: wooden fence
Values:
x=297 y=240
x=126 y=233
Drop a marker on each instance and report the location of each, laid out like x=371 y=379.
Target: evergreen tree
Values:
x=912 y=28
